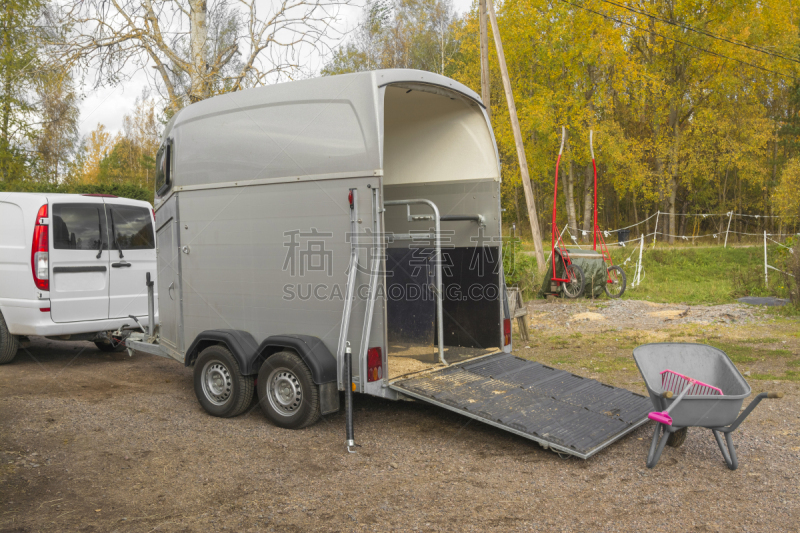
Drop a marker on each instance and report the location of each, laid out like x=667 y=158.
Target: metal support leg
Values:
x=348 y=400
x=655 y=452
x=151 y=313
x=730 y=454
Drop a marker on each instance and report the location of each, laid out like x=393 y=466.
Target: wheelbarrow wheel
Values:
x=574 y=288
x=615 y=284
x=679 y=437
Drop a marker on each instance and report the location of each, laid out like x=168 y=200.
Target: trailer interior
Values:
x=435 y=149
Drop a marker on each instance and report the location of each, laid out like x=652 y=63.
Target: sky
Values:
x=107 y=105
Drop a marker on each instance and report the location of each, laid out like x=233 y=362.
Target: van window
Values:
x=79 y=227
x=131 y=227
x=164 y=168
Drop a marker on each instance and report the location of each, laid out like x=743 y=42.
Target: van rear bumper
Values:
x=23 y=317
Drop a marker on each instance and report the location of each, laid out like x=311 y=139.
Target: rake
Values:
x=671 y=382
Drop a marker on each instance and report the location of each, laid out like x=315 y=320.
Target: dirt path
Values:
x=96 y=442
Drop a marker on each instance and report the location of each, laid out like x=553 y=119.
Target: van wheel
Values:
x=8 y=343
x=104 y=346
x=220 y=387
x=286 y=392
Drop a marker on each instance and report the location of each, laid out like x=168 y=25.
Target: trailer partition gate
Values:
x=559 y=410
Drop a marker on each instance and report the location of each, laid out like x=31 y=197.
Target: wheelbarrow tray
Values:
x=701 y=362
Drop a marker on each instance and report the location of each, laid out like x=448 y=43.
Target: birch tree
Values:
x=194 y=49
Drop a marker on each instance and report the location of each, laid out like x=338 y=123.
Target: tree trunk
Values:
x=486 y=95
x=530 y=200
x=569 y=192
x=684 y=209
x=588 y=211
x=635 y=214
x=198 y=37
x=674 y=181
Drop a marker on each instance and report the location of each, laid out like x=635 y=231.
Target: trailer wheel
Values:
x=616 y=287
x=219 y=385
x=8 y=343
x=676 y=439
x=286 y=392
x=574 y=288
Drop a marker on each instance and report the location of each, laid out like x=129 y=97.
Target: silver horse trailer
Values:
x=303 y=222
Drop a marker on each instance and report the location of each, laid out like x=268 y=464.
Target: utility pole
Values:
x=486 y=95
x=523 y=162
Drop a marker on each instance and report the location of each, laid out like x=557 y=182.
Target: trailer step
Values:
x=559 y=410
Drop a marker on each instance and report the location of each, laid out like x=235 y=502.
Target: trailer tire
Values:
x=8 y=343
x=220 y=387
x=619 y=281
x=574 y=288
x=676 y=439
x=286 y=391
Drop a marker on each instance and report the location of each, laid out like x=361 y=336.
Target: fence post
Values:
x=637 y=279
x=766 y=276
x=655 y=232
x=730 y=216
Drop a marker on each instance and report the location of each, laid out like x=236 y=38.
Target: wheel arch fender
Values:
x=240 y=343
x=311 y=350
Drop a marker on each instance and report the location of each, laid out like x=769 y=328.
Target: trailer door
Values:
x=559 y=410
x=169 y=264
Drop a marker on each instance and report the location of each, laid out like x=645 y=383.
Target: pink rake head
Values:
x=672 y=382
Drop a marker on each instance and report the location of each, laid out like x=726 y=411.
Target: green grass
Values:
x=695 y=275
x=746 y=354
x=699 y=276
x=789 y=375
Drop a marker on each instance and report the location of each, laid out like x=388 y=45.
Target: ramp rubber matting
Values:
x=559 y=410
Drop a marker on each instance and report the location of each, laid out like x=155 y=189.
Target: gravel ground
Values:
x=98 y=442
x=634 y=314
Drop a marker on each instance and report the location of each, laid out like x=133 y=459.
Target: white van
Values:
x=73 y=267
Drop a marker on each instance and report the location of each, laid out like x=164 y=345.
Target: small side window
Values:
x=164 y=168
x=131 y=228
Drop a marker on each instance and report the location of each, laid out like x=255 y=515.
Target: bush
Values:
x=791 y=274
x=124 y=190
x=520 y=268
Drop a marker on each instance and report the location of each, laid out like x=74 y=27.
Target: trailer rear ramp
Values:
x=559 y=410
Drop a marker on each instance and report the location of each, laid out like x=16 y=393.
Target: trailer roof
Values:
x=310 y=129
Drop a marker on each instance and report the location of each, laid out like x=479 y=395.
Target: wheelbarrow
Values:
x=716 y=391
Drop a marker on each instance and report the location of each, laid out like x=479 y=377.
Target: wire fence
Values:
x=576 y=233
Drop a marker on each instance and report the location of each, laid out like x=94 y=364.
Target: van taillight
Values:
x=374 y=364
x=506 y=332
x=40 y=261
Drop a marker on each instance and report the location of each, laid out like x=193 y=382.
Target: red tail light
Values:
x=40 y=261
x=374 y=364
x=350 y=198
x=506 y=332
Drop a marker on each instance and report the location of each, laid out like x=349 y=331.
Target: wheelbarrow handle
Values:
x=749 y=410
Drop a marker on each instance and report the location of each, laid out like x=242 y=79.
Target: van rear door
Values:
x=79 y=259
x=133 y=255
